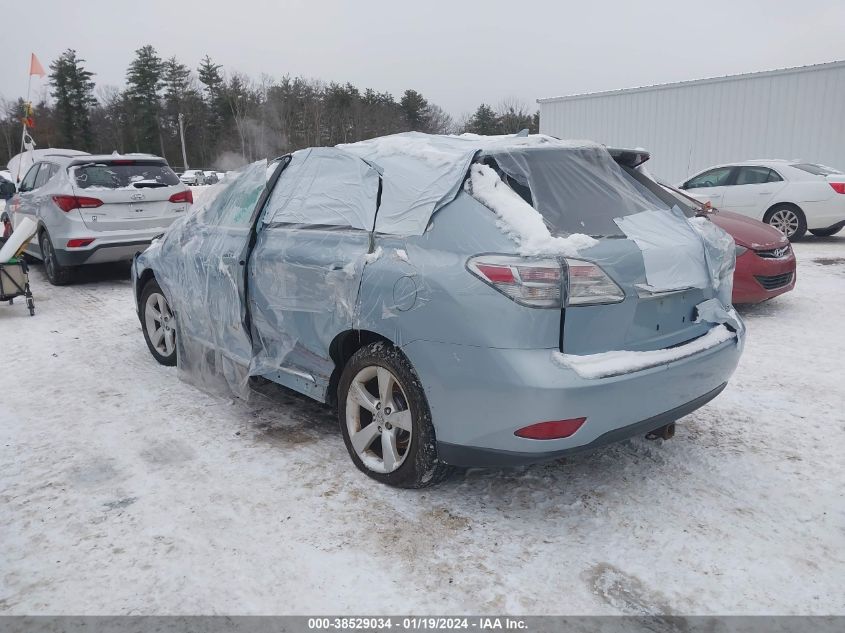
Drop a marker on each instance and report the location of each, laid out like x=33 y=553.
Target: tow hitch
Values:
x=664 y=433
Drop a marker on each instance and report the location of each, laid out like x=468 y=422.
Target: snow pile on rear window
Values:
x=518 y=219
x=621 y=362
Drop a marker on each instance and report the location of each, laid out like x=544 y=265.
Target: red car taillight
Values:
x=183 y=196
x=69 y=203
x=838 y=187
x=537 y=282
x=553 y=430
x=530 y=282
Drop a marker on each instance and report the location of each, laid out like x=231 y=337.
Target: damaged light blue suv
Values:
x=466 y=301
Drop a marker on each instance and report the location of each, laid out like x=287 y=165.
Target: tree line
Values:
x=229 y=118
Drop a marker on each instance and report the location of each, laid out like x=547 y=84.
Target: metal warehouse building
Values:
x=687 y=126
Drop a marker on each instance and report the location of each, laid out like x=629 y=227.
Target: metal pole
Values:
x=27 y=106
x=182 y=138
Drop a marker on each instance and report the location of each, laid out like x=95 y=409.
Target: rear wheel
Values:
x=385 y=419
x=158 y=323
x=788 y=219
x=57 y=274
x=826 y=232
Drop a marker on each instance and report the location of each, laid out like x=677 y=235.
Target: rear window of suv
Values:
x=816 y=170
x=122 y=174
x=580 y=190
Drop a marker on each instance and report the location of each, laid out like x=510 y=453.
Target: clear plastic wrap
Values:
x=420 y=174
x=198 y=265
x=720 y=254
x=341 y=243
x=325 y=186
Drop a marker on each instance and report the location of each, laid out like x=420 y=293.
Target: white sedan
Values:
x=193 y=177
x=793 y=196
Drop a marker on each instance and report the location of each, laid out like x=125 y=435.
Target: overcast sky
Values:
x=457 y=53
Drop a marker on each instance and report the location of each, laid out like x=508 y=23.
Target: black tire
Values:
x=420 y=466
x=57 y=274
x=774 y=215
x=151 y=288
x=826 y=232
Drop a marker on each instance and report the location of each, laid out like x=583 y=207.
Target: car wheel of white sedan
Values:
x=159 y=324
x=787 y=219
x=385 y=419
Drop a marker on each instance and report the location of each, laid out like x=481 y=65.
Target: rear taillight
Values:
x=183 y=196
x=589 y=284
x=69 y=203
x=537 y=282
x=553 y=430
x=529 y=282
x=838 y=187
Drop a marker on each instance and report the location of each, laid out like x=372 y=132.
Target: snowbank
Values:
x=518 y=219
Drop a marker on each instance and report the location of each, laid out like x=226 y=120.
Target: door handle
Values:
x=764 y=193
x=228 y=258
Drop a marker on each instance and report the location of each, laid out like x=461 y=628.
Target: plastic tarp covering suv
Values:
x=304 y=283
x=303 y=286
x=197 y=265
x=325 y=186
x=420 y=173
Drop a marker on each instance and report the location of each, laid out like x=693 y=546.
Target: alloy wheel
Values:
x=786 y=221
x=378 y=419
x=160 y=324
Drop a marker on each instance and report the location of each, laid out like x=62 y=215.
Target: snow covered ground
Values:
x=125 y=491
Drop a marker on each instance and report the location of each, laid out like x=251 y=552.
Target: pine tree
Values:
x=144 y=81
x=214 y=88
x=73 y=90
x=175 y=80
x=483 y=121
x=415 y=107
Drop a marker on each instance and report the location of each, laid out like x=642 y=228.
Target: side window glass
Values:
x=28 y=182
x=234 y=203
x=774 y=176
x=44 y=175
x=752 y=175
x=713 y=178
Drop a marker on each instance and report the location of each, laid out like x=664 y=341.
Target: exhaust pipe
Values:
x=664 y=433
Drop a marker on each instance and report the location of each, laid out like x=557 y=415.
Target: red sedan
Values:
x=765 y=263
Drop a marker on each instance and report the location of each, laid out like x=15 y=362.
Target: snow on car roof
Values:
x=105 y=158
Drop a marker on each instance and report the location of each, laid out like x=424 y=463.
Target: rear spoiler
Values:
x=629 y=157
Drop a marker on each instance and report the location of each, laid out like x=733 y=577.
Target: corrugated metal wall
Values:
x=793 y=113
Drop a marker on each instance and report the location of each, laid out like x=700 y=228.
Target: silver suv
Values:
x=94 y=209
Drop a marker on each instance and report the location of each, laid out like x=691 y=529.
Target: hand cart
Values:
x=14 y=282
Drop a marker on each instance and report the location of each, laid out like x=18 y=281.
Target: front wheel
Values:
x=385 y=419
x=159 y=324
x=787 y=219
